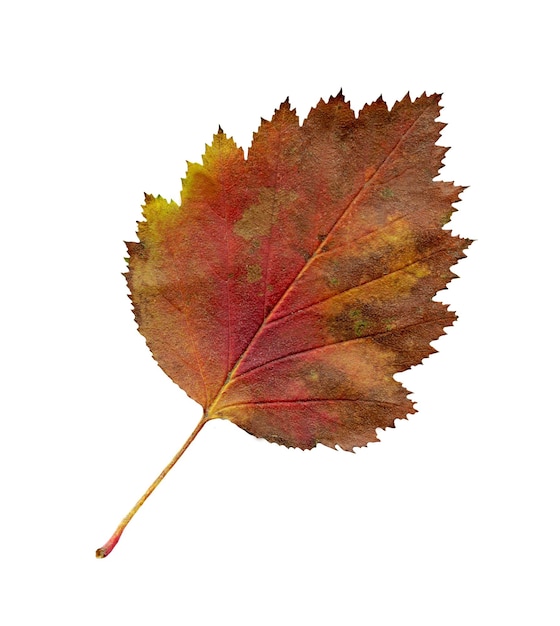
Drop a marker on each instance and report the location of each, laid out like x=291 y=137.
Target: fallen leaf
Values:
x=287 y=289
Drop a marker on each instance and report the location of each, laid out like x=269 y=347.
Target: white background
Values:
x=452 y=519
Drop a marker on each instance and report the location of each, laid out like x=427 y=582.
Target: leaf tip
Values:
x=338 y=98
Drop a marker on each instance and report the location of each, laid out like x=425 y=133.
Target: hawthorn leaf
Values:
x=287 y=288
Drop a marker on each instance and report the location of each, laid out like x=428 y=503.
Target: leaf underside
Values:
x=287 y=289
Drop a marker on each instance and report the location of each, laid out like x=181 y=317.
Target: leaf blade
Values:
x=303 y=276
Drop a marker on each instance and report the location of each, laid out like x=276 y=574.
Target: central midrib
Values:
x=231 y=376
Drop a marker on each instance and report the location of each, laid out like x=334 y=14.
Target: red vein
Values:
x=317 y=251
x=336 y=344
x=356 y=287
x=344 y=213
x=307 y=401
x=378 y=230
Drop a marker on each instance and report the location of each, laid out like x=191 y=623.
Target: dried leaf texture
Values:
x=287 y=289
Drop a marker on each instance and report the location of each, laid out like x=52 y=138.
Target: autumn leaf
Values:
x=287 y=288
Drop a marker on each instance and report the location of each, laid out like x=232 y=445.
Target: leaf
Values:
x=287 y=289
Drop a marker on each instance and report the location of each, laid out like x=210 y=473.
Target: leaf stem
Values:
x=106 y=549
